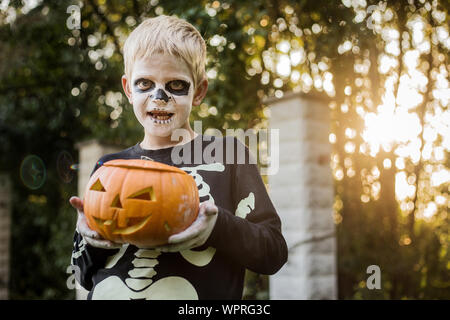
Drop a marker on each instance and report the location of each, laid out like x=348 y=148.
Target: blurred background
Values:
x=381 y=68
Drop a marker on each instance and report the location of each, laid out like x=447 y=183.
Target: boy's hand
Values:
x=197 y=233
x=92 y=237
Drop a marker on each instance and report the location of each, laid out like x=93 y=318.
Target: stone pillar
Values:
x=5 y=223
x=88 y=154
x=302 y=192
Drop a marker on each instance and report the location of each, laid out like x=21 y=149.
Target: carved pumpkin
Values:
x=140 y=202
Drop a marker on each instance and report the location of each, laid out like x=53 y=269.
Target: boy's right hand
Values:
x=92 y=237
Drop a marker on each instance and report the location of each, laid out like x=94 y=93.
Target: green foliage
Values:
x=37 y=117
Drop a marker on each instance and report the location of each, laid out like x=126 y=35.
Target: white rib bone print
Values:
x=139 y=284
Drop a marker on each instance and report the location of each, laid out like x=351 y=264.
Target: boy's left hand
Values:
x=197 y=233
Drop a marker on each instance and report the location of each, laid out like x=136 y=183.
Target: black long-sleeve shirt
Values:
x=247 y=233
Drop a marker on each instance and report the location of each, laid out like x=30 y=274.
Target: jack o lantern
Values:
x=140 y=202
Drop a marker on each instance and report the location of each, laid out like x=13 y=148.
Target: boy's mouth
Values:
x=160 y=117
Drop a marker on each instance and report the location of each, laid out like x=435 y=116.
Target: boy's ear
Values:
x=200 y=92
x=126 y=88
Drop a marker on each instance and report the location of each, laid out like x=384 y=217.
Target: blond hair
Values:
x=167 y=35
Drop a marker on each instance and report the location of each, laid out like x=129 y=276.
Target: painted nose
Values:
x=161 y=95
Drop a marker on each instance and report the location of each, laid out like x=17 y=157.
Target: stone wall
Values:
x=303 y=193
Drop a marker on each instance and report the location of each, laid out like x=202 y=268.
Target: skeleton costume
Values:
x=247 y=234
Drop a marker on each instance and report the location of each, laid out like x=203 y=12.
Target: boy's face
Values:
x=161 y=90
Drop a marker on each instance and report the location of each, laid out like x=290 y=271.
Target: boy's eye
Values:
x=144 y=84
x=179 y=87
x=176 y=85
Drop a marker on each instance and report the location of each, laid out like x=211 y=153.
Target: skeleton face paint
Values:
x=181 y=88
x=161 y=94
x=178 y=87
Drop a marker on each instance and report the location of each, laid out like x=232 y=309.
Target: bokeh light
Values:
x=33 y=172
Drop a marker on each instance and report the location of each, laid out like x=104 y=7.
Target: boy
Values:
x=237 y=226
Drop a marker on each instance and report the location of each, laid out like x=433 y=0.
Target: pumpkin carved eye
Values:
x=97 y=186
x=116 y=202
x=145 y=194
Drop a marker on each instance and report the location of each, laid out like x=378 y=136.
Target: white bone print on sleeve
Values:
x=81 y=247
x=246 y=206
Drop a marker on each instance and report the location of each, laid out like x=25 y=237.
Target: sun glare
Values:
x=396 y=122
x=395 y=125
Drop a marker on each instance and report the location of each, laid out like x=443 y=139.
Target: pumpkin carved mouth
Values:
x=133 y=224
